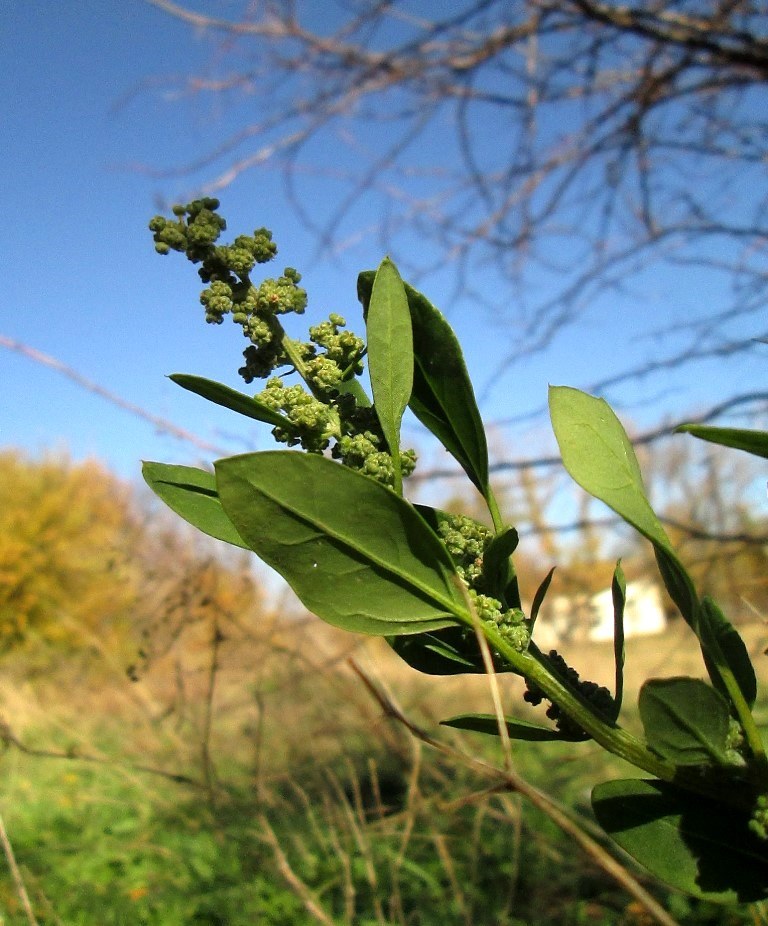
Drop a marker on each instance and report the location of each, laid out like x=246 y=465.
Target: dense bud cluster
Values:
x=467 y=540
x=323 y=415
x=735 y=743
x=596 y=695
x=758 y=822
x=315 y=422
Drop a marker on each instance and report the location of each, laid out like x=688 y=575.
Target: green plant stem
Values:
x=493 y=508
x=747 y=721
x=609 y=735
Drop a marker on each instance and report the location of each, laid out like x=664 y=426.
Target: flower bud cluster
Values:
x=315 y=422
x=596 y=695
x=735 y=743
x=323 y=414
x=758 y=822
x=467 y=540
x=226 y=268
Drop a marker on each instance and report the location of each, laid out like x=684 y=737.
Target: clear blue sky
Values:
x=82 y=282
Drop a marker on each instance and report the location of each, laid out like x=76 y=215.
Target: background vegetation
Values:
x=180 y=749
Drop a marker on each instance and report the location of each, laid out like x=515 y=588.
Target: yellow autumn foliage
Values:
x=80 y=559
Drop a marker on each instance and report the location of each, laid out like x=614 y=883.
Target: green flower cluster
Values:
x=735 y=743
x=467 y=540
x=597 y=695
x=321 y=413
x=758 y=822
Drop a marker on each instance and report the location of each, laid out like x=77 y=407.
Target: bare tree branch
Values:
x=550 y=151
x=161 y=424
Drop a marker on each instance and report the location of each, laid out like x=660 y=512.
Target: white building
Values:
x=584 y=617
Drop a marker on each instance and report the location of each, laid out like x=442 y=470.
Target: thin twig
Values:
x=301 y=890
x=16 y=874
x=9 y=738
x=162 y=424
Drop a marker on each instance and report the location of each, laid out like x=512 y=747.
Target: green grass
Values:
x=324 y=804
x=97 y=847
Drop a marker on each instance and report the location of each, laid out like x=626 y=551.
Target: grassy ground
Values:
x=248 y=777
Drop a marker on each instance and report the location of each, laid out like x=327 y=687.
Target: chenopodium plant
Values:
x=442 y=588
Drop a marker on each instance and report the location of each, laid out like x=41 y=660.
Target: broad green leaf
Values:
x=687 y=841
x=718 y=633
x=619 y=597
x=442 y=397
x=517 y=729
x=685 y=720
x=754 y=442
x=390 y=354
x=599 y=457
x=192 y=494
x=232 y=399
x=354 y=552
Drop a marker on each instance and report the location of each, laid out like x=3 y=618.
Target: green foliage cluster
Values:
x=445 y=592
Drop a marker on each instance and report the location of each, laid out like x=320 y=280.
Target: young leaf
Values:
x=390 y=355
x=356 y=554
x=496 y=569
x=442 y=397
x=685 y=840
x=685 y=720
x=517 y=729
x=754 y=442
x=599 y=457
x=721 y=639
x=238 y=402
x=192 y=494
x=541 y=594
x=619 y=597
x=679 y=585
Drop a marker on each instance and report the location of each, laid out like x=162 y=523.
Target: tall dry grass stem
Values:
x=508 y=779
x=16 y=874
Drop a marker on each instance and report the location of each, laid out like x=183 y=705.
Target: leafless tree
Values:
x=565 y=146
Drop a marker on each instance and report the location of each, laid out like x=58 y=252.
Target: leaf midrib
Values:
x=429 y=593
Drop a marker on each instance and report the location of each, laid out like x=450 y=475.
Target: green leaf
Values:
x=599 y=457
x=687 y=841
x=721 y=639
x=451 y=651
x=442 y=397
x=192 y=494
x=541 y=594
x=496 y=568
x=754 y=442
x=517 y=729
x=238 y=402
x=355 y=553
x=390 y=354
x=619 y=597
x=685 y=720
x=679 y=585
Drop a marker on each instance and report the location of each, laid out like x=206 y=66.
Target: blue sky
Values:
x=83 y=284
